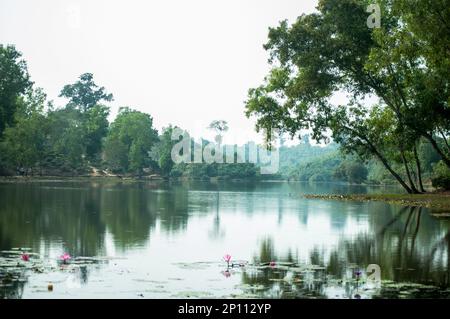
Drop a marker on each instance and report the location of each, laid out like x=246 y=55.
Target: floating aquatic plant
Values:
x=65 y=258
x=227 y=258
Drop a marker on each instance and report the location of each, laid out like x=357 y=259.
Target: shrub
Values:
x=441 y=176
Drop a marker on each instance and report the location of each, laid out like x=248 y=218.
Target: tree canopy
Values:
x=14 y=81
x=333 y=51
x=85 y=94
x=130 y=141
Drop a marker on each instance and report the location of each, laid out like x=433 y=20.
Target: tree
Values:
x=85 y=94
x=441 y=176
x=14 y=81
x=130 y=140
x=67 y=139
x=163 y=151
x=96 y=128
x=332 y=51
x=85 y=97
x=220 y=127
x=412 y=72
x=25 y=144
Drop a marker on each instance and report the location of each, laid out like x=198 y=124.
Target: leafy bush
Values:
x=441 y=176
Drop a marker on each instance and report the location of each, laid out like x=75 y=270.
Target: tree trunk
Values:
x=408 y=174
x=410 y=124
x=445 y=139
x=389 y=168
x=383 y=160
x=419 y=170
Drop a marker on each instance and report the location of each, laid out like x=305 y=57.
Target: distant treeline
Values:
x=306 y=162
x=37 y=138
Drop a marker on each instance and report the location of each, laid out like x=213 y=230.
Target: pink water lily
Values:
x=227 y=258
x=65 y=257
x=25 y=257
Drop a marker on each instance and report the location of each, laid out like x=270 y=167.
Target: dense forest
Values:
x=404 y=64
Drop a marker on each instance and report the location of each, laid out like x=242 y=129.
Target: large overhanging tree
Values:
x=334 y=50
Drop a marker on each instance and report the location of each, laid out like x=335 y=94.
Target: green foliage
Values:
x=303 y=153
x=95 y=125
x=66 y=139
x=319 y=55
x=116 y=155
x=331 y=165
x=203 y=171
x=130 y=141
x=85 y=94
x=14 y=81
x=352 y=172
x=219 y=126
x=320 y=170
x=162 y=152
x=24 y=145
x=332 y=51
x=441 y=176
x=52 y=141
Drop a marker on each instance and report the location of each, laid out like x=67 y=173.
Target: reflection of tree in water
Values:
x=173 y=209
x=128 y=212
x=78 y=212
x=36 y=212
x=11 y=289
x=217 y=232
x=264 y=277
x=182 y=203
x=44 y=215
x=405 y=250
x=408 y=244
x=131 y=210
x=278 y=281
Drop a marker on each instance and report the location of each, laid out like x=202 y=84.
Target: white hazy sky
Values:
x=185 y=62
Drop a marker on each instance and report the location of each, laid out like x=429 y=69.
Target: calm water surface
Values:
x=163 y=240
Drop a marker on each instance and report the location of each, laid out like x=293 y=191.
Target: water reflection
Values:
x=407 y=244
x=198 y=222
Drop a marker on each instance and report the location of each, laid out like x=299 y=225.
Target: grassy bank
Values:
x=440 y=201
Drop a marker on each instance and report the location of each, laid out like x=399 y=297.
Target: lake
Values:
x=167 y=240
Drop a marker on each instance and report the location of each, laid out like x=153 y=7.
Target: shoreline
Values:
x=439 y=201
x=434 y=200
x=170 y=179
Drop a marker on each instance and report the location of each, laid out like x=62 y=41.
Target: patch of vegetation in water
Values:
x=18 y=264
x=439 y=202
x=391 y=290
